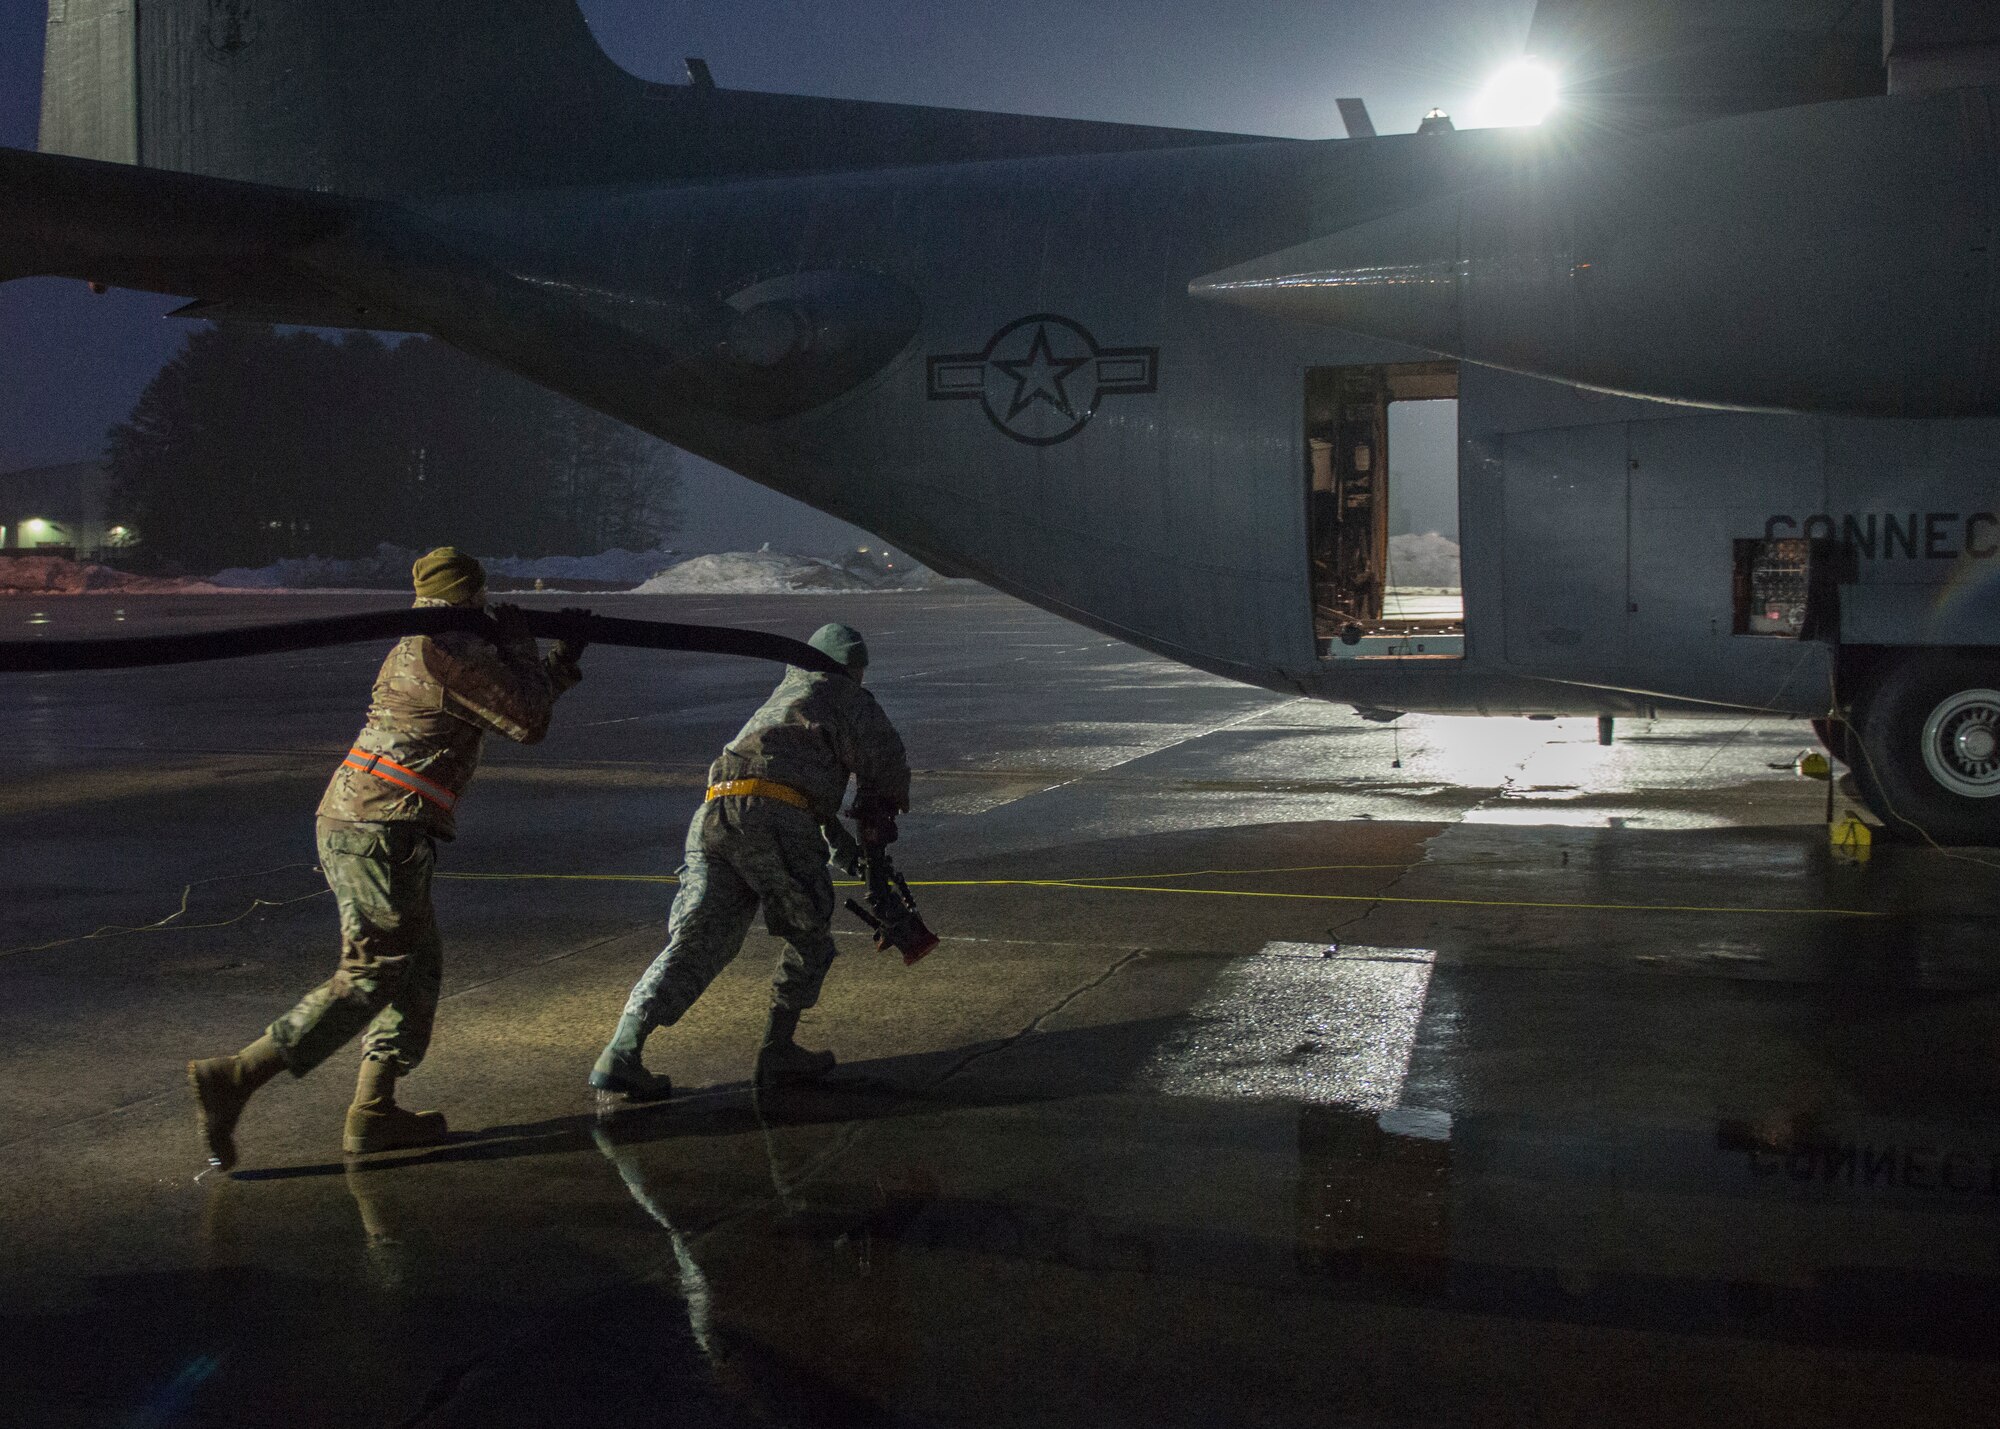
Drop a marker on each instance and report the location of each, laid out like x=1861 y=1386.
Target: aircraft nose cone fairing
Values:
x=1837 y=258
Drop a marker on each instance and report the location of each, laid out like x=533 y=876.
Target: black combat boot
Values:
x=781 y=1061
x=619 y=1069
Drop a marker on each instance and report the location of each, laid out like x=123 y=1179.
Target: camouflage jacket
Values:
x=814 y=731
x=434 y=700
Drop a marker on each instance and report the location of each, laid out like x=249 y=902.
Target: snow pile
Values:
x=1426 y=560
x=55 y=575
x=754 y=573
x=764 y=572
x=769 y=572
x=613 y=567
x=389 y=569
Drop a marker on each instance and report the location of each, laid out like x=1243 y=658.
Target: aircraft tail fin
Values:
x=377 y=99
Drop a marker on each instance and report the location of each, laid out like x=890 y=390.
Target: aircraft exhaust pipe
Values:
x=1838 y=258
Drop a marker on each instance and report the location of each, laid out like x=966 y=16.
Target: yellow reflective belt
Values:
x=760 y=789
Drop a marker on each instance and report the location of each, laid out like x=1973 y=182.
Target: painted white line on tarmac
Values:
x=1291 y=1022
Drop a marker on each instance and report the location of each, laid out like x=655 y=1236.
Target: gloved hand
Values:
x=510 y=622
x=570 y=649
x=843 y=852
x=876 y=818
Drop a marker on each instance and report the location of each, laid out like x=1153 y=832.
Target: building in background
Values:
x=58 y=511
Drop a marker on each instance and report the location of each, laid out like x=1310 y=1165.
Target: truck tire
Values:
x=1927 y=748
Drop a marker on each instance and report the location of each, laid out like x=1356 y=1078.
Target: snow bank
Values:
x=615 y=566
x=389 y=569
x=754 y=573
x=1426 y=560
x=781 y=573
x=311 y=573
x=54 y=575
x=764 y=572
x=770 y=572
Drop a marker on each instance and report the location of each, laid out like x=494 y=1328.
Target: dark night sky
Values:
x=71 y=364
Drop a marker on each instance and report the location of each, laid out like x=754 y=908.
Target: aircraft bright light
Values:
x=1521 y=94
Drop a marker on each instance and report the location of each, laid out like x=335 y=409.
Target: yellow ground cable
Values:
x=1232 y=893
x=1080 y=879
x=1387 y=898
x=170 y=922
x=568 y=877
x=1251 y=872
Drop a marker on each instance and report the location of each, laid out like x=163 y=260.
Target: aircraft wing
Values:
x=1631 y=65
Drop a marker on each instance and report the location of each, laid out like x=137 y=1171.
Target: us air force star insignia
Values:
x=1041 y=377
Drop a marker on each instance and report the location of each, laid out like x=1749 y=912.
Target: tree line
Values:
x=252 y=445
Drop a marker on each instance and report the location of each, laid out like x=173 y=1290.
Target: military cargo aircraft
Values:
x=1721 y=334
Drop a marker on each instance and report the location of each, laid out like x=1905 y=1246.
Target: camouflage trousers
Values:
x=743 y=852
x=391 y=959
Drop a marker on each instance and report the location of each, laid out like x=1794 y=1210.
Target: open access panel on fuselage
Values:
x=1381 y=485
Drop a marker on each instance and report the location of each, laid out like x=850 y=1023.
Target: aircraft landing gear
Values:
x=1926 y=739
x=1836 y=737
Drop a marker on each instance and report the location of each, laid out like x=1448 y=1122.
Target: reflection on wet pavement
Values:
x=1303 y=1022
x=1257 y=1081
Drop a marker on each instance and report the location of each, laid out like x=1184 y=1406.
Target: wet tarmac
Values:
x=1277 y=1068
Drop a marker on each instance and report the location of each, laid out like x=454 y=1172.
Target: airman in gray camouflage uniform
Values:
x=389 y=803
x=760 y=838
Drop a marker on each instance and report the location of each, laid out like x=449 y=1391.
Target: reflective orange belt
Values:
x=760 y=789
x=388 y=770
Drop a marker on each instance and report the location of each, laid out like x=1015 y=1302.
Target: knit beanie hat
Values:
x=448 y=574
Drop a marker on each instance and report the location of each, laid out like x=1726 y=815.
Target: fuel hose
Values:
x=127 y=652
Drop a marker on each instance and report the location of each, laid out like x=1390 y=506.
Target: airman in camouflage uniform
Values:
x=760 y=838
x=391 y=800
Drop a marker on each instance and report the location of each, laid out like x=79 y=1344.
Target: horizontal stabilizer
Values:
x=166 y=233
x=332 y=313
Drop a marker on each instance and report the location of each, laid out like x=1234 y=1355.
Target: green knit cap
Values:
x=448 y=574
x=842 y=643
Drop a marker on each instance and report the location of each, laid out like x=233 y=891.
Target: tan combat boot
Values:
x=222 y=1087
x=781 y=1062
x=376 y=1123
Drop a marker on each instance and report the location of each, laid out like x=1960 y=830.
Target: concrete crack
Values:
x=1036 y=1024
x=1375 y=904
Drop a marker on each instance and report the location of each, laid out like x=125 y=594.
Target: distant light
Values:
x=1521 y=94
